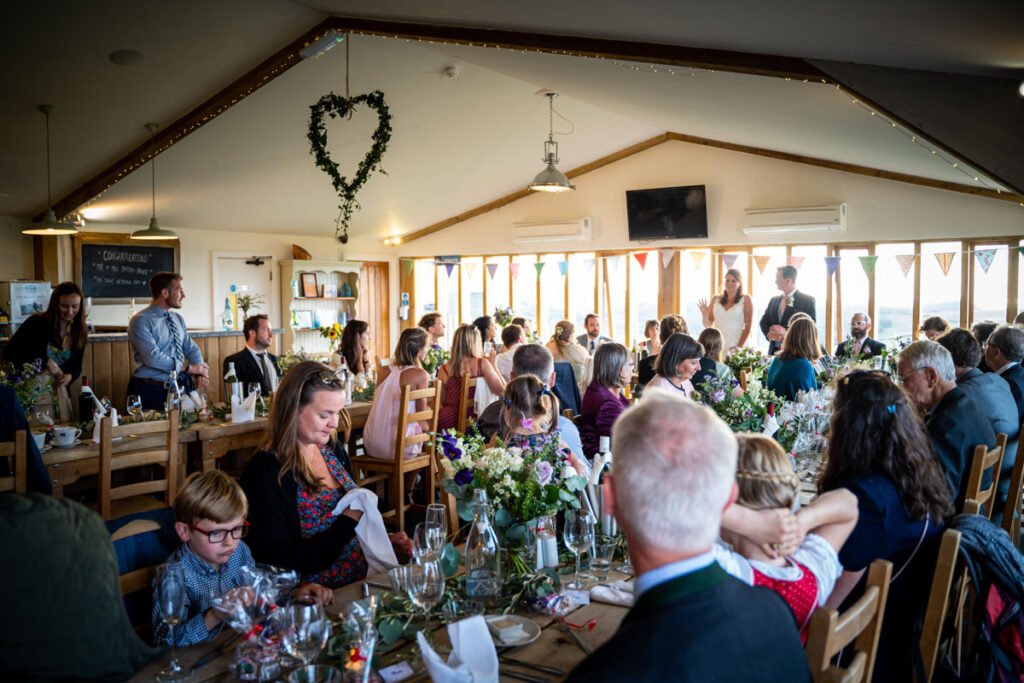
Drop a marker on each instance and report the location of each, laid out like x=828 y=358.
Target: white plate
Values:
x=78 y=442
x=530 y=628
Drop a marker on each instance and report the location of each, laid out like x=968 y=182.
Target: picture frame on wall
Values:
x=304 y=320
x=309 y=286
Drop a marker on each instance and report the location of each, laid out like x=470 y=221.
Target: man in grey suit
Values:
x=593 y=338
x=783 y=307
x=1004 y=354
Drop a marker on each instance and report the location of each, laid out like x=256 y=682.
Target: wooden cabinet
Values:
x=337 y=291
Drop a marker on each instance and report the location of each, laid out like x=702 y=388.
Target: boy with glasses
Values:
x=209 y=513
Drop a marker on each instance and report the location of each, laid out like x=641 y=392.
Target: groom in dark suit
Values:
x=255 y=363
x=783 y=307
x=674 y=475
x=859 y=345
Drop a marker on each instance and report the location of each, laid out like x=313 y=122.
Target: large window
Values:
x=582 y=285
x=989 y=288
x=695 y=281
x=894 y=291
x=423 y=279
x=851 y=294
x=643 y=295
x=613 y=297
x=763 y=289
x=497 y=285
x=940 y=292
x=812 y=279
x=552 y=293
x=448 y=297
x=472 y=287
x=524 y=286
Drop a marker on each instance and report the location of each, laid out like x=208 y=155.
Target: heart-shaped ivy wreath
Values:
x=337 y=106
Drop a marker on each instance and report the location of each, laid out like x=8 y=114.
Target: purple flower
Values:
x=463 y=477
x=450 y=448
x=717 y=396
x=543 y=471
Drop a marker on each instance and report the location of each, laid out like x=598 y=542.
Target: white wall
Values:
x=878 y=209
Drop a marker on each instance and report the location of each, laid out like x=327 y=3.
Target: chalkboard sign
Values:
x=113 y=268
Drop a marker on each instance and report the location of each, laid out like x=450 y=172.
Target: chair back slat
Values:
x=1012 y=512
x=157 y=445
x=17 y=451
x=938 y=601
x=465 y=403
x=985 y=460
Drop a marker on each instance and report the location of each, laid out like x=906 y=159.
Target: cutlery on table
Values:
x=530 y=665
x=587 y=650
x=521 y=676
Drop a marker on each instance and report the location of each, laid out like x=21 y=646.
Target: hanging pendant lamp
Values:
x=154 y=231
x=551 y=179
x=49 y=226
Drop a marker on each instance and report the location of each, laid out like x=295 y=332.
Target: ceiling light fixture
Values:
x=1020 y=89
x=49 y=226
x=322 y=44
x=154 y=231
x=551 y=179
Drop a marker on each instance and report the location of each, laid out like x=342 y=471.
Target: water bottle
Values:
x=608 y=524
x=227 y=320
x=483 y=571
x=232 y=385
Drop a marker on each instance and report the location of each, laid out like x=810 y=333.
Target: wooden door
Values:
x=373 y=305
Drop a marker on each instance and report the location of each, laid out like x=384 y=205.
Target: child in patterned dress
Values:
x=530 y=415
x=805 y=577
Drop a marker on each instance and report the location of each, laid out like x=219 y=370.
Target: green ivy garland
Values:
x=337 y=106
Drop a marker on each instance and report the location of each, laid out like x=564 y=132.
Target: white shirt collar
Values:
x=1006 y=367
x=673 y=570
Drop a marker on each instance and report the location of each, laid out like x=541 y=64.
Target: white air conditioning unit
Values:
x=828 y=218
x=574 y=230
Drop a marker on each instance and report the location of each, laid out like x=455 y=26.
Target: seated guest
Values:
x=209 y=513
x=954 y=423
x=529 y=419
x=982 y=331
x=792 y=370
x=678 y=363
x=54 y=338
x=879 y=452
x=1019 y=320
x=668 y=326
x=604 y=402
x=711 y=364
x=488 y=330
x=467 y=362
x=379 y=433
x=1004 y=353
x=255 y=363
x=433 y=324
x=651 y=345
x=530 y=359
x=512 y=337
x=675 y=463
x=294 y=483
x=524 y=323
x=992 y=396
x=592 y=338
x=859 y=345
x=355 y=347
x=934 y=327
x=564 y=348
x=12 y=419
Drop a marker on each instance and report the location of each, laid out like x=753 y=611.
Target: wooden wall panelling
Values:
x=225 y=347
x=373 y=305
x=120 y=372
x=406 y=283
x=102 y=379
x=211 y=354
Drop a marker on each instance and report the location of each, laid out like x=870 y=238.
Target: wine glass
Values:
x=425 y=588
x=134 y=406
x=437 y=517
x=304 y=631
x=627 y=566
x=171 y=593
x=578 y=534
x=427 y=543
x=254 y=388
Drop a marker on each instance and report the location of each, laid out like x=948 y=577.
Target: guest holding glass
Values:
x=678 y=362
x=255 y=364
x=792 y=370
x=295 y=481
x=731 y=313
x=467 y=362
x=879 y=452
x=488 y=331
x=604 y=401
x=355 y=347
x=405 y=370
x=565 y=349
x=54 y=338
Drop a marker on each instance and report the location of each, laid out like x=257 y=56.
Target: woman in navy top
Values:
x=603 y=401
x=879 y=451
x=792 y=369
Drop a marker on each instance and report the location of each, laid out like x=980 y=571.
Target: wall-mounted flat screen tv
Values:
x=667 y=213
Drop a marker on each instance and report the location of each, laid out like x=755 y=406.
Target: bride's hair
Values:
x=739 y=290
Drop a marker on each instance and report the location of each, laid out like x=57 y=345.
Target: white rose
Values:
x=568 y=472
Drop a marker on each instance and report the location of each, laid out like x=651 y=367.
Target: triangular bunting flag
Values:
x=470 y=270
x=1021 y=250
x=729 y=259
x=666 y=256
x=449 y=267
x=985 y=258
x=492 y=268
x=831 y=262
x=761 y=260
x=868 y=264
x=514 y=269
x=945 y=259
x=539 y=265
x=563 y=268
x=906 y=262
x=641 y=258
x=588 y=264
x=796 y=261
x=698 y=258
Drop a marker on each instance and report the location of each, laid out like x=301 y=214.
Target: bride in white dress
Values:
x=731 y=313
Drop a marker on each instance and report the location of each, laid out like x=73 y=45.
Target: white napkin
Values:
x=373 y=537
x=244 y=411
x=618 y=593
x=96 y=425
x=192 y=402
x=473 y=658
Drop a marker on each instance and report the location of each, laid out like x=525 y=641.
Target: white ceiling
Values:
x=456 y=143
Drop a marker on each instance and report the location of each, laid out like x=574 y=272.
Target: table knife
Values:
x=530 y=665
x=521 y=676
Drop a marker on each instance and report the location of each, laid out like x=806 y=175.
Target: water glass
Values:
x=437 y=517
x=578 y=534
x=604 y=550
x=171 y=594
x=425 y=588
x=427 y=543
x=133 y=405
x=304 y=630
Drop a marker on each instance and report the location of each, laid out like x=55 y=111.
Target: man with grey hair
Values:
x=1003 y=354
x=954 y=423
x=859 y=345
x=675 y=466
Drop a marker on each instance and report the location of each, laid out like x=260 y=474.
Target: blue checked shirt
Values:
x=203 y=583
x=154 y=345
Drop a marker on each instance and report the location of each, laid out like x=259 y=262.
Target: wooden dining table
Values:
x=554 y=648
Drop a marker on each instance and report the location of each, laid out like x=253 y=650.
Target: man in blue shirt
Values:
x=161 y=345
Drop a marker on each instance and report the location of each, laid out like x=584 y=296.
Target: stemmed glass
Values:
x=427 y=543
x=578 y=534
x=171 y=593
x=437 y=517
x=134 y=406
x=626 y=567
x=425 y=588
x=253 y=388
x=304 y=631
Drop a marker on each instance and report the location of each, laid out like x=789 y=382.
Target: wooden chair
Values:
x=17 y=452
x=394 y=471
x=567 y=414
x=466 y=406
x=830 y=631
x=140 y=444
x=938 y=601
x=1012 y=513
x=141 y=578
x=984 y=459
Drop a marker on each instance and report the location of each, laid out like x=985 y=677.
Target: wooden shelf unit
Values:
x=326 y=310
